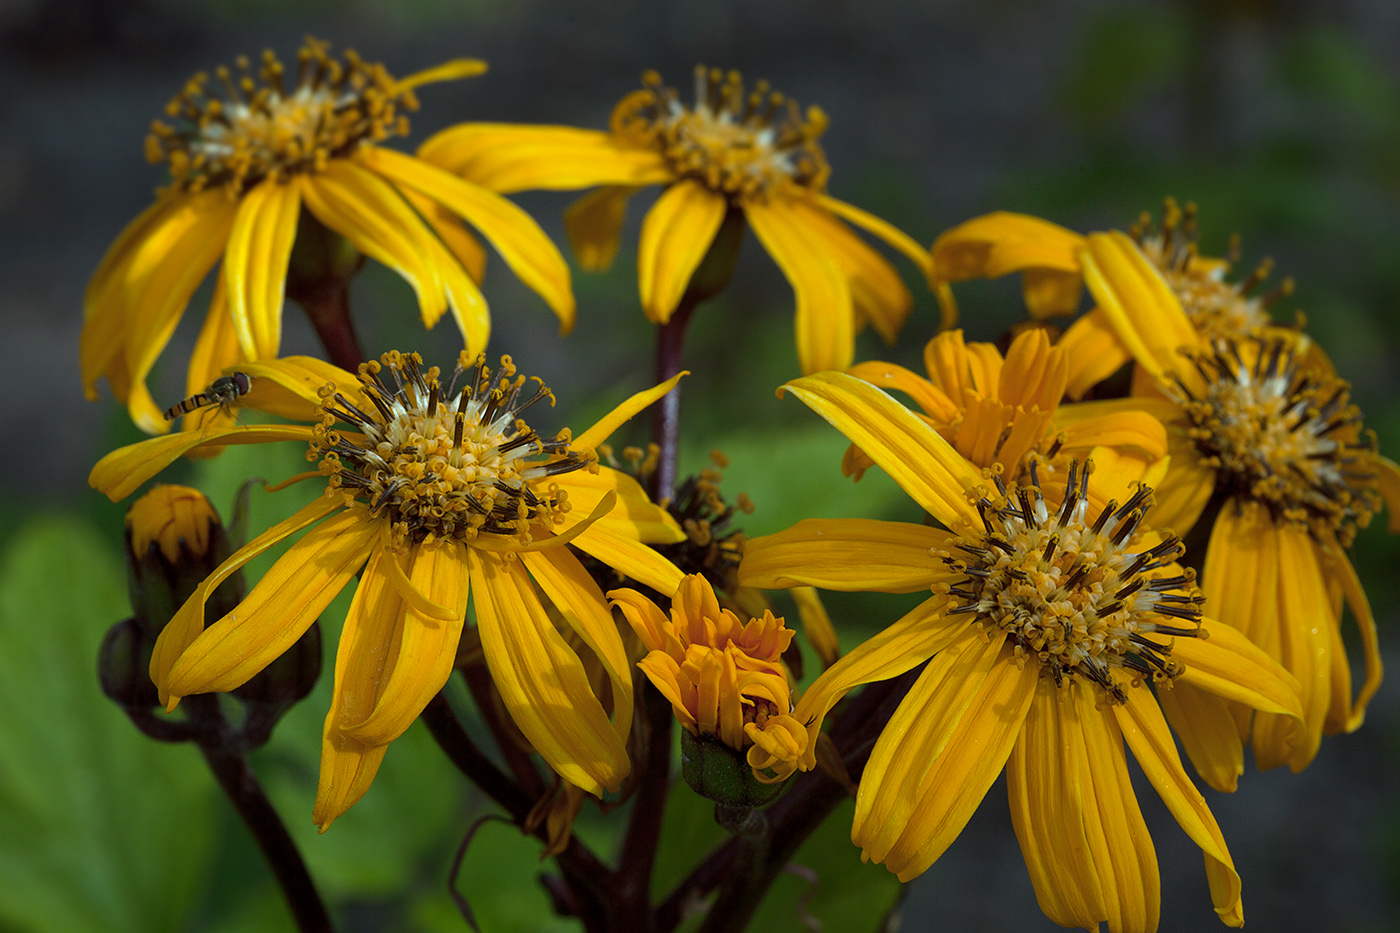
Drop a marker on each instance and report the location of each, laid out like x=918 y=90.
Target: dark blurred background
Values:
x=1281 y=118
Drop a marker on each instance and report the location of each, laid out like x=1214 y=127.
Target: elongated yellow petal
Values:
x=630 y=557
x=541 y=680
x=917 y=734
x=369 y=644
x=104 y=318
x=924 y=465
x=905 y=644
x=1135 y=423
x=676 y=235
x=290 y=387
x=1182 y=495
x=162 y=276
x=1139 y=305
x=816 y=624
x=520 y=241
x=215 y=349
x=427 y=647
x=1207 y=731
x=576 y=597
x=848 y=554
x=882 y=229
x=925 y=394
x=505 y=157
x=1034 y=373
x=652 y=626
x=280 y=607
x=1229 y=665
x=450 y=229
x=1339 y=568
x=825 y=322
x=1048 y=790
x=1094 y=351
x=461 y=264
x=623 y=413
x=593 y=224
x=255 y=265
x=122 y=471
x=1146 y=733
x=961 y=776
x=1388 y=482
x=633 y=515
x=1124 y=855
x=453 y=70
x=994 y=244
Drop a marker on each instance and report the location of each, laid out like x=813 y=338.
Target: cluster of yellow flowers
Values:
x=1064 y=617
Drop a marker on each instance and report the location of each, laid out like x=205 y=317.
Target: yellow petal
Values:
x=1134 y=423
x=994 y=244
x=427 y=647
x=453 y=70
x=122 y=471
x=630 y=557
x=1229 y=665
x=593 y=224
x=924 y=393
x=634 y=514
x=347 y=769
x=461 y=268
x=882 y=229
x=215 y=350
x=825 y=322
x=848 y=554
x=520 y=241
x=1048 y=791
x=454 y=235
x=1050 y=292
x=623 y=413
x=280 y=607
x=576 y=597
x=1094 y=351
x=916 y=735
x=923 y=464
x=1388 y=482
x=1147 y=735
x=676 y=235
x=542 y=682
x=961 y=776
x=1182 y=495
x=290 y=387
x=506 y=157
x=255 y=265
x=1207 y=731
x=905 y=644
x=1034 y=373
x=816 y=624
x=1139 y=305
x=1339 y=568
x=188 y=622
x=1124 y=855
x=652 y=626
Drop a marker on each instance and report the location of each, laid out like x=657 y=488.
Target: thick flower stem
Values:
x=322 y=265
x=666 y=414
x=648 y=807
x=218 y=744
x=329 y=311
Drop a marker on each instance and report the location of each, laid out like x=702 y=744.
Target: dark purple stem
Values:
x=666 y=414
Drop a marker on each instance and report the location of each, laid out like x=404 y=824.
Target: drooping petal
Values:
x=188 y=622
x=633 y=515
x=881 y=228
x=280 y=607
x=1146 y=733
x=1125 y=422
x=924 y=393
x=825 y=322
x=453 y=233
x=1229 y=665
x=916 y=735
x=255 y=265
x=1388 y=482
x=1048 y=790
x=461 y=263
x=1094 y=351
x=905 y=644
x=593 y=225
x=121 y=472
x=290 y=387
x=623 y=413
x=1207 y=731
x=427 y=646
x=816 y=624
x=520 y=241
x=961 y=776
x=215 y=350
x=505 y=157
x=848 y=554
x=1139 y=305
x=923 y=464
x=995 y=244
x=542 y=681
x=630 y=557
x=676 y=235
x=1339 y=568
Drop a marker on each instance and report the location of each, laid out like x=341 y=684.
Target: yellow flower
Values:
x=1008 y=412
x=439 y=491
x=730 y=153
x=1046 y=620
x=724 y=677
x=1264 y=425
x=243 y=167
x=172 y=518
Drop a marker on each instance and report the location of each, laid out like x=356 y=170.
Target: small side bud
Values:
x=722 y=774
x=123 y=662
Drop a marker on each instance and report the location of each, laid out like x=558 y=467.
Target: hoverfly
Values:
x=223 y=392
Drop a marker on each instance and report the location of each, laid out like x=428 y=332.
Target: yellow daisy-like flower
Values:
x=1271 y=434
x=730 y=152
x=243 y=167
x=1046 y=622
x=435 y=491
x=1008 y=412
x=724 y=677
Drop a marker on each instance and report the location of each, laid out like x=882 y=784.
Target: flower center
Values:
x=743 y=145
x=443 y=463
x=1217 y=308
x=1286 y=437
x=258 y=129
x=1081 y=598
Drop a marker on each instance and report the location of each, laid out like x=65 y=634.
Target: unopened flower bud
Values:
x=123 y=661
x=174 y=540
x=722 y=774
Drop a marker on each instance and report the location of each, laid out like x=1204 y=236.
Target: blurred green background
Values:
x=1281 y=119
